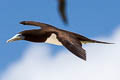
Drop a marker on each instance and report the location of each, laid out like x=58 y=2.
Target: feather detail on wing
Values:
x=74 y=46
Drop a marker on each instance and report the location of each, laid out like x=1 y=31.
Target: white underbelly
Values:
x=53 y=40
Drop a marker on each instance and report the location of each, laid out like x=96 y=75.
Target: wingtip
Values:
x=85 y=59
x=66 y=23
x=23 y=22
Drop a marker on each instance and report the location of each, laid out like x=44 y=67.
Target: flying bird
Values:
x=52 y=35
x=62 y=10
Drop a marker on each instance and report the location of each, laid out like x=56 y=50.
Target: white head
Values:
x=16 y=37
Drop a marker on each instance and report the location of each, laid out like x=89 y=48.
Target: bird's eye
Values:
x=20 y=35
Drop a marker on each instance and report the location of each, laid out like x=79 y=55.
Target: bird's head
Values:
x=29 y=35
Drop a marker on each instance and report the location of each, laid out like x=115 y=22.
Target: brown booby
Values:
x=62 y=10
x=50 y=34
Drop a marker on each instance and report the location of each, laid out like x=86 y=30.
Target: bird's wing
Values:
x=33 y=23
x=62 y=8
x=74 y=46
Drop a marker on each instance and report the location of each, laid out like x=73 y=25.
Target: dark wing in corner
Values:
x=33 y=23
x=62 y=10
x=74 y=46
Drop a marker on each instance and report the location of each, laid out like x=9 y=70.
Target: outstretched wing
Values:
x=74 y=46
x=62 y=8
x=33 y=23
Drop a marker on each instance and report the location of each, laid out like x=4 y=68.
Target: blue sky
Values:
x=91 y=18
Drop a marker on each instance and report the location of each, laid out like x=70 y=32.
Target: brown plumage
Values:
x=62 y=10
x=50 y=34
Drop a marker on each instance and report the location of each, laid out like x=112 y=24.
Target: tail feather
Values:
x=94 y=41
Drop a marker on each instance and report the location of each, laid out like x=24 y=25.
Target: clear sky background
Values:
x=91 y=18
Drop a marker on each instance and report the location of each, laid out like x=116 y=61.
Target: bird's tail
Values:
x=85 y=40
x=95 y=41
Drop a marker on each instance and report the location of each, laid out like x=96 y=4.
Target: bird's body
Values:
x=52 y=39
x=50 y=34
